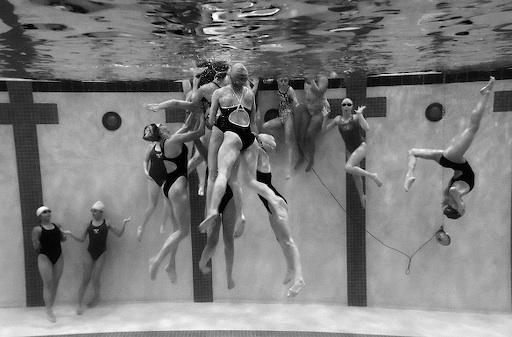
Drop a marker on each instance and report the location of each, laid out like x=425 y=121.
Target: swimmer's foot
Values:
x=203 y=266
x=93 y=302
x=162 y=228
x=208 y=223
x=171 y=272
x=231 y=283
x=408 y=182
x=375 y=178
x=153 y=267
x=310 y=165
x=51 y=316
x=299 y=163
x=363 y=201
x=296 y=288
x=239 y=227
x=139 y=233
x=200 y=191
x=288 y=173
x=80 y=309
x=488 y=87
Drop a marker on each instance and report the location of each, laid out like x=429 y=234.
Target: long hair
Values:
x=214 y=70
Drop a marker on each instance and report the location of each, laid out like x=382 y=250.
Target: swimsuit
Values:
x=225 y=199
x=352 y=134
x=224 y=124
x=156 y=166
x=266 y=178
x=467 y=175
x=97 y=240
x=181 y=162
x=50 y=243
x=285 y=106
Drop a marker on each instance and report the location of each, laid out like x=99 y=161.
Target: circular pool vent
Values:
x=111 y=120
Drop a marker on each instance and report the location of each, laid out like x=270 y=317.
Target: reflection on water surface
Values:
x=150 y=39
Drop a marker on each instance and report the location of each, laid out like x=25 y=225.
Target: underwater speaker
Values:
x=434 y=112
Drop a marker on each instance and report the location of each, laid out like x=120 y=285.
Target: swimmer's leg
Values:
x=413 y=156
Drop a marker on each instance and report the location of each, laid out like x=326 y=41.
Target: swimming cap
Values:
x=41 y=209
x=151 y=132
x=98 y=205
x=238 y=69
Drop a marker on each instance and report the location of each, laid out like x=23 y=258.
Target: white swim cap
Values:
x=98 y=205
x=41 y=209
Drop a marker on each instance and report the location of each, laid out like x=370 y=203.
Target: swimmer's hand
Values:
x=153 y=107
x=126 y=220
x=360 y=109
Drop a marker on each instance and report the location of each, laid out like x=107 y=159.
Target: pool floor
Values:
x=249 y=319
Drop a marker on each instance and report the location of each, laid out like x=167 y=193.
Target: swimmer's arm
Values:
x=213 y=108
x=80 y=238
x=362 y=121
x=170 y=104
x=36 y=234
x=254 y=117
x=326 y=125
x=320 y=88
x=145 y=163
x=293 y=96
x=189 y=136
x=118 y=231
x=256 y=83
x=63 y=234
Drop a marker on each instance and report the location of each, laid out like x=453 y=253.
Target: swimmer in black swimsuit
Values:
x=97 y=230
x=198 y=101
x=280 y=225
x=238 y=142
x=453 y=157
x=352 y=127
x=175 y=189
x=46 y=238
x=154 y=169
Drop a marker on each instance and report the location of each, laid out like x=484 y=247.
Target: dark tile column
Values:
x=24 y=115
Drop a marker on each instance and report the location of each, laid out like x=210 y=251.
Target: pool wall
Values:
x=80 y=161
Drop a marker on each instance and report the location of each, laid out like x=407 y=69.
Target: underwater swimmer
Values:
x=463 y=179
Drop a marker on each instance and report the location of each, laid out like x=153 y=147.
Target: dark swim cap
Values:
x=451 y=212
x=151 y=133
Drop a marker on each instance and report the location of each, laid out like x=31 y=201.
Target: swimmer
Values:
x=309 y=118
x=287 y=103
x=154 y=169
x=237 y=121
x=175 y=189
x=352 y=127
x=97 y=229
x=463 y=179
x=46 y=239
x=280 y=225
